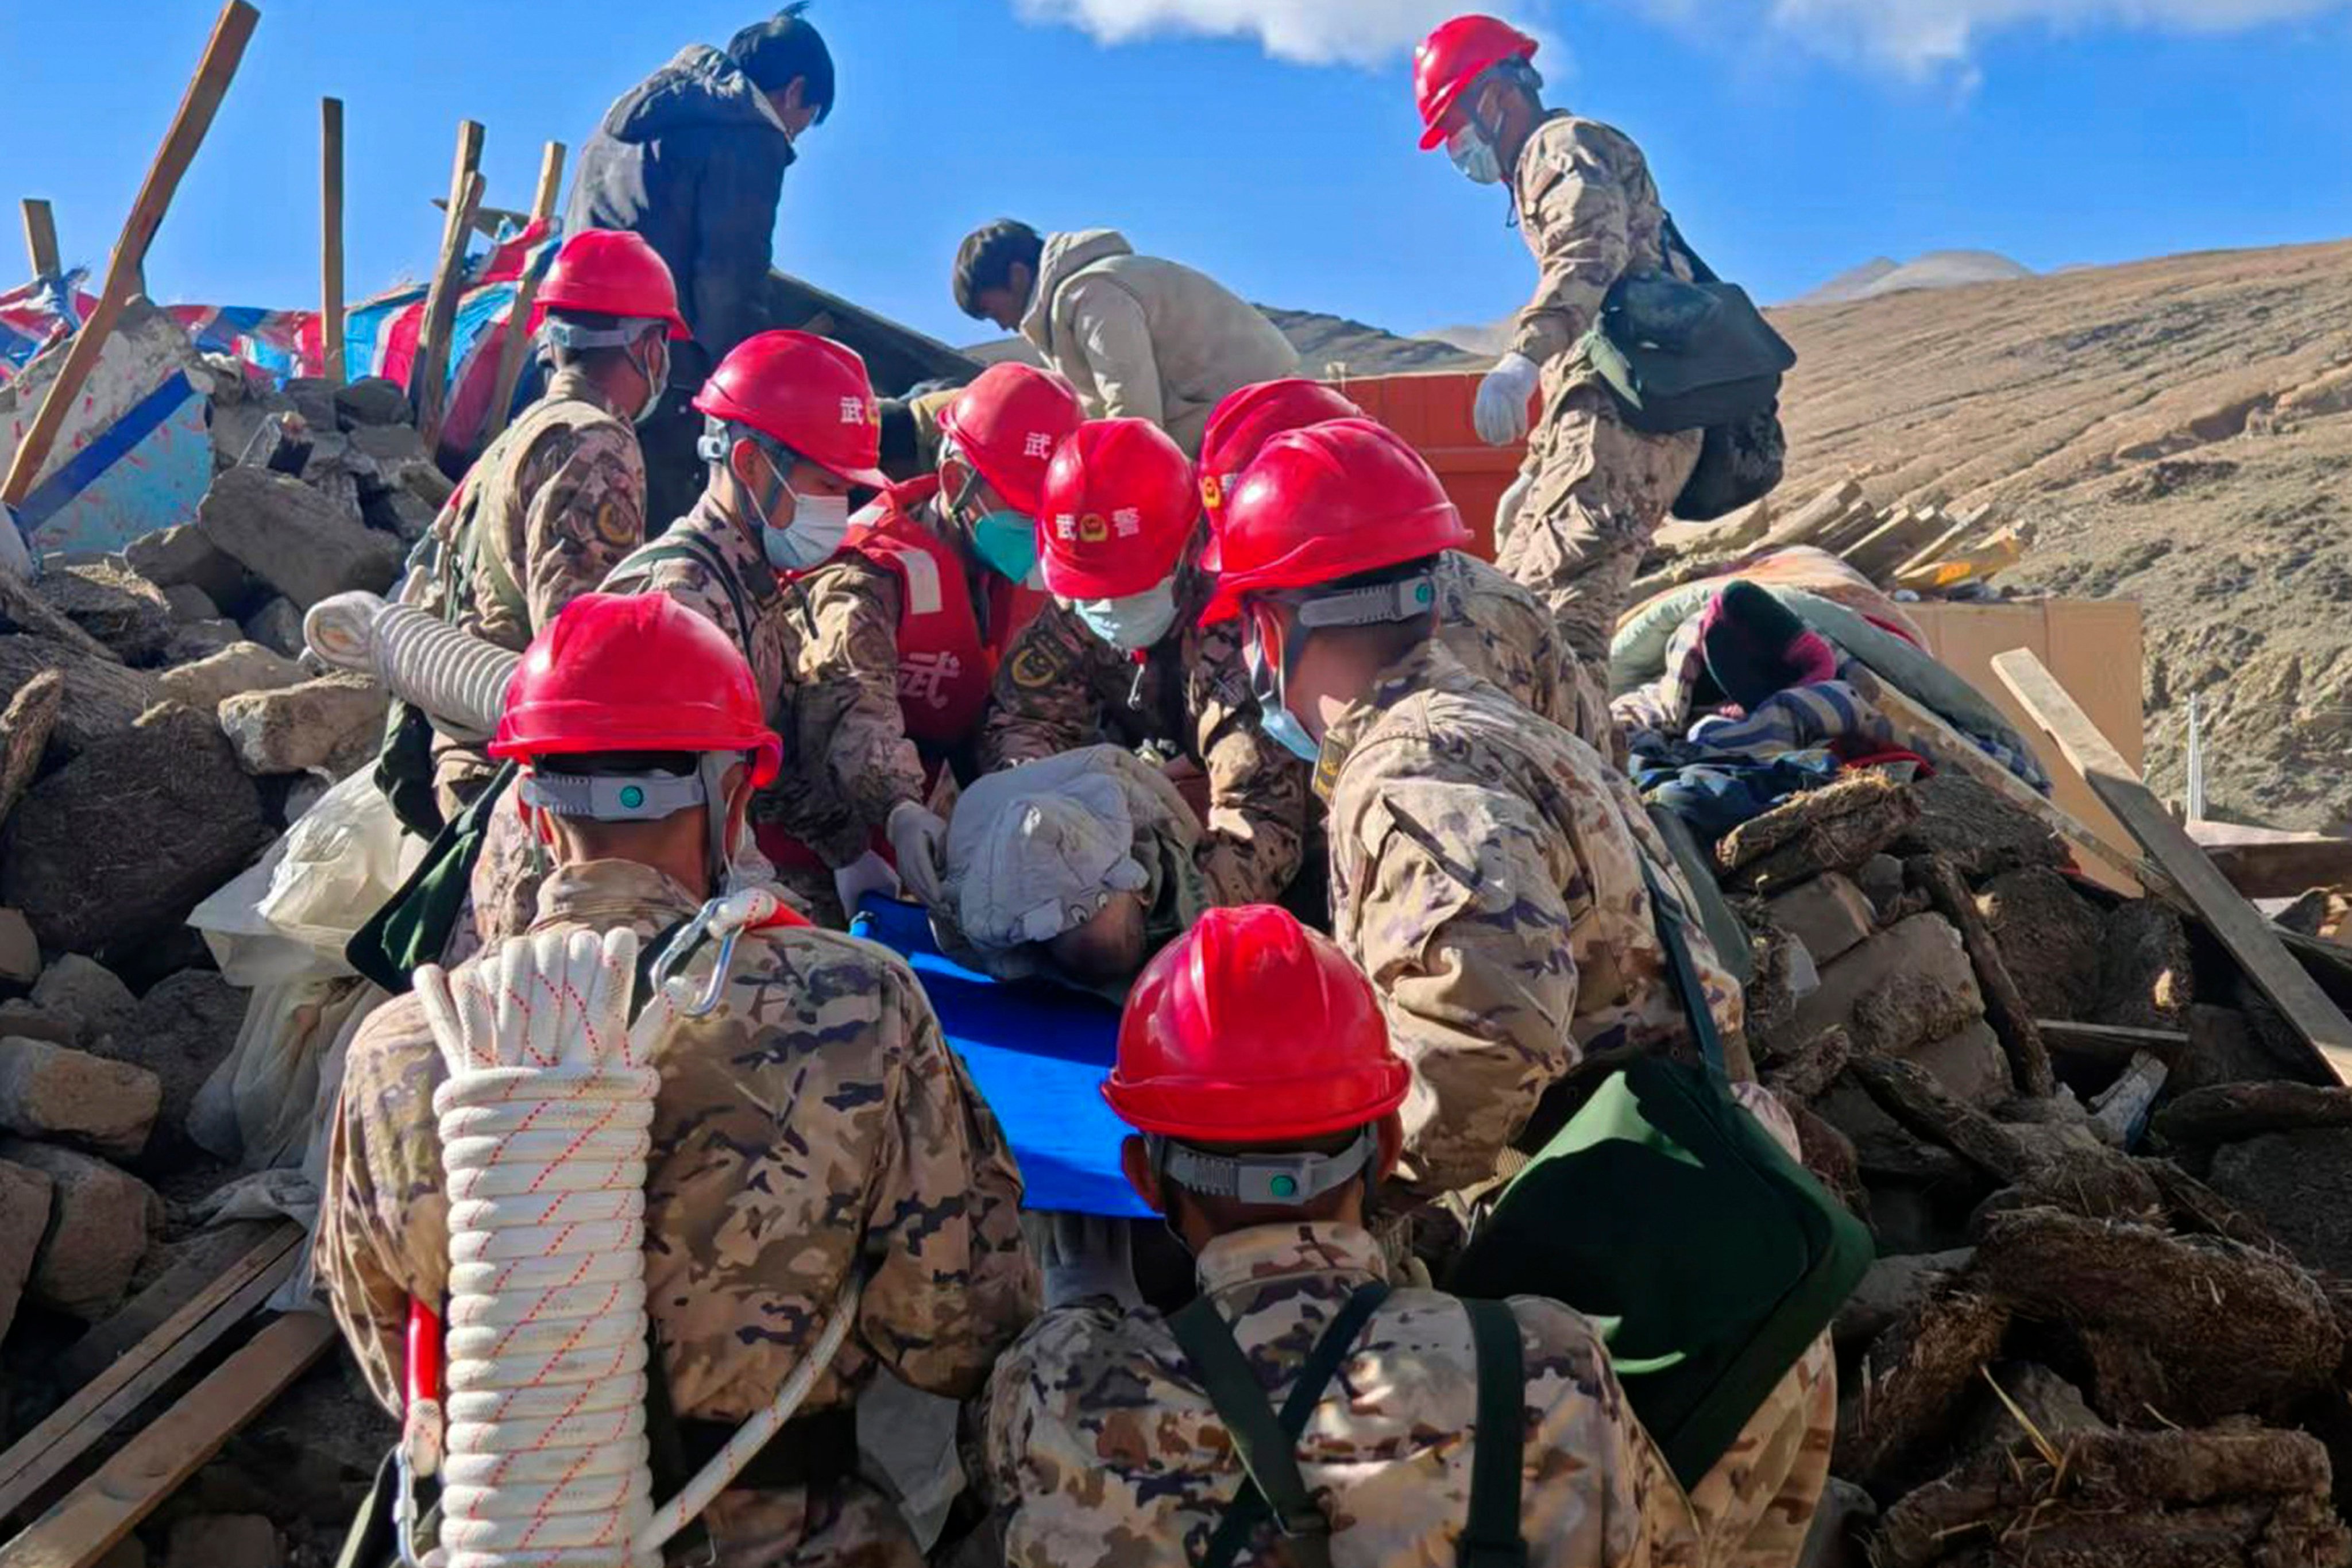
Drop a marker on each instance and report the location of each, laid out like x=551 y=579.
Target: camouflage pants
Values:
x=1597 y=492
x=1757 y=1505
x=850 y=1525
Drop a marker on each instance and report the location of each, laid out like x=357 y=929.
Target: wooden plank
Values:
x=330 y=238
x=87 y=1522
x=1921 y=730
x=1857 y=526
x=1935 y=549
x=2112 y=1043
x=111 y=1397
x=426 y=391
x=2264 y=863
x=197 y=107
x=1879 y=553
x=202 y=1263
x=41 y=238
x=518 y=336
x=1801 y=526
x=2248 y=936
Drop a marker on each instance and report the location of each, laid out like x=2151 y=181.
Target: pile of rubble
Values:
x=2106 y=1325
x=161 y=727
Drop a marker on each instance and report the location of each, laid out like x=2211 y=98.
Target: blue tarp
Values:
x=1038 y=1054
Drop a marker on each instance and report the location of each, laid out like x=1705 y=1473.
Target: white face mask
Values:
x=819 y=525
x=1134 y=621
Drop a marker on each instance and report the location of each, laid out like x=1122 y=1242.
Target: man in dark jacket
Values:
x=693 y=158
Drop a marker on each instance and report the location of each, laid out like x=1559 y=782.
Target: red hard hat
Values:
x=807 y=391
x=1250 y=1028
x=1327 y=502
x=633 y=672
x=1007 y=423
x=1119 y=506
x=1457 y=54
x=1245 y=421
x=611 y=272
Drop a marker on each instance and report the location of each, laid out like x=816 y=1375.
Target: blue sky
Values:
x=1792 y=137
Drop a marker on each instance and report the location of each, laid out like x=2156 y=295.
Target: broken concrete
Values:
x=115 y=848
x=117 y=607
x=1829 y=914
x=371 y=400
x=333 y=724
x=101 y=1224
x=1903 y=987
x=181 y=556
x=25 y=1199
x=84 y=989
x=184 y=1027
x=1968 y=1064
x=26 y=727
x=101 y=697
x=241 y=667
x=276 y=626
x=59 y=1093
x=190 y=606
x=2051 y=936
x=294 y=539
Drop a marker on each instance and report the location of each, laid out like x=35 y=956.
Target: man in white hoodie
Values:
x=1138 y=337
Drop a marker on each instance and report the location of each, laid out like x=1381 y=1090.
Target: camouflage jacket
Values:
x=1061 y=687
x=815 y=1119
x=545 y=512
x=1503 y=634
x=1486 y=874
x=1591 y=213
x=708 y=563
x=1101 y=1442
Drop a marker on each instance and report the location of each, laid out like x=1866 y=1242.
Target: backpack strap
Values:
x=1266 y=1444
x=1492 y=1537
x=1666 y=914
x=1671 y=242
x=685 y=547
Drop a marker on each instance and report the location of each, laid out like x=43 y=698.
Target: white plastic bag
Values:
x=289 y=916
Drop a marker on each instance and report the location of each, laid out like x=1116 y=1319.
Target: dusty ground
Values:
x=2182 y=431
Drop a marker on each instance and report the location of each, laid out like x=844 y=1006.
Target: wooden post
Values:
x=425 y=391
x=331 y=240
x=41 y=238
x=197 y=107
x=2250 y=938
x=518 y=337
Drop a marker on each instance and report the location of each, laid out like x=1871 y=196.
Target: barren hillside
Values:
x=2181 y=430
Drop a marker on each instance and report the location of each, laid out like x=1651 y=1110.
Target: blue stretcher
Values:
x=1039 y=1054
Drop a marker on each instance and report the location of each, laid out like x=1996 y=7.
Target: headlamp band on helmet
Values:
x=1287 y=1180
x=613 y=797
x=1380 y=604
x=562 y=334
x=719 y=437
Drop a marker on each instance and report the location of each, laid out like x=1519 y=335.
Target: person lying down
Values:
x=1074 y=869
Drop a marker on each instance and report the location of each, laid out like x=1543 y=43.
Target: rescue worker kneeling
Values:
x=812 y=1122
x=1416 y=1427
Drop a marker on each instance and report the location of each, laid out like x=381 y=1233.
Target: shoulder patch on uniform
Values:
x=1034 y=668
x=614 y=524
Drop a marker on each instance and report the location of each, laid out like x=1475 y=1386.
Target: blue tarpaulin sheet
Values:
x=1038 y=1054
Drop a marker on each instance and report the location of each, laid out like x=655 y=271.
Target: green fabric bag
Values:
x=1709 y=1259
x=1687 y=355
x=413 y=926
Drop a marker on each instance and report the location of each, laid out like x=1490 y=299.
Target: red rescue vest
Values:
x=947 y=657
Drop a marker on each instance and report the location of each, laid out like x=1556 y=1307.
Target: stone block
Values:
x=104 y=1221
x=237 y=670
x=333 y=724
x=58 y=1093
x=1829 y=914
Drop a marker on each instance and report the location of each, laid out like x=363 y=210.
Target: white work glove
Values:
x=1501 y=415
x=1507 y=508
x=919 y=839
x=1087 y=1255
x=869 y=873
x=340 y=629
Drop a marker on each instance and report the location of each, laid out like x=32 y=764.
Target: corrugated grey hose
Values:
x=454 y=676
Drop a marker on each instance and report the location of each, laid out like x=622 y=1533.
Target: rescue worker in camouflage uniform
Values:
x=813 y=1123
x=1591 y=492
x=555 y=502
x=1254 y=1063
x=906 y=626
x=1120 y=656
x=1486 y=865
x=789 y=428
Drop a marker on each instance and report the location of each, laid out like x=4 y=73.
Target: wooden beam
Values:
x=331 y=238
x=2248 y=936
x=197 y=107
x=2113 y=1043
x=1801 y=526
x=518 y=336
x=110 y=1398
x=2273 y=865
x=426 y=391
x=1936 y=548
x=92 y=1518
x=41 y=238
x=1921 y=730
x=2005 y=1008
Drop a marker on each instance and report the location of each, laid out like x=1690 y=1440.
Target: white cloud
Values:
x=1916 y=36
x=1312 y=32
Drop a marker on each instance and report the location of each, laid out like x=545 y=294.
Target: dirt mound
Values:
x=2178 y=430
